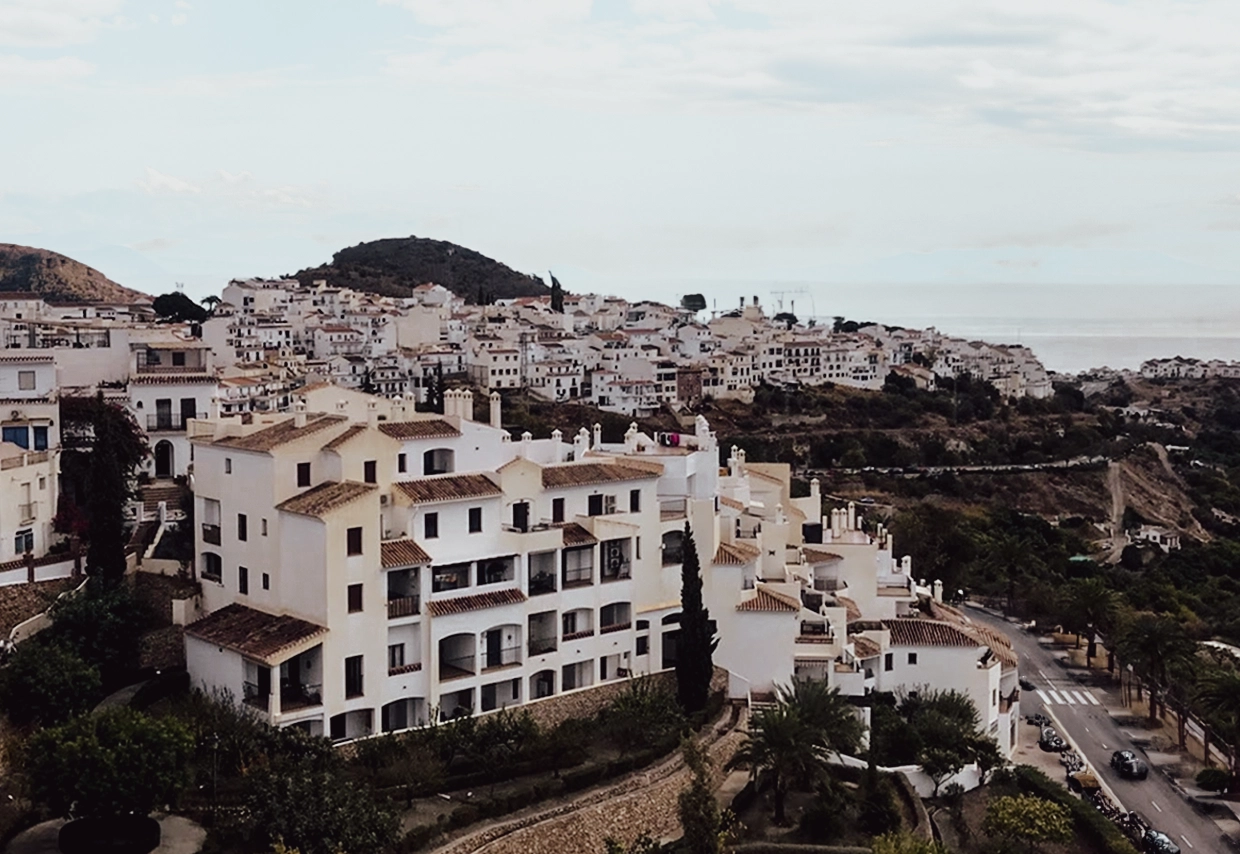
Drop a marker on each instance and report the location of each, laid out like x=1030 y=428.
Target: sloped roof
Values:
x=735 y=554
x=767 y=600
x=850 y=607
x=402 y=553
x=813 y=555
x=171 y=379
x=576 y=535
x=476 y=602
x=280 y=434
x=355 y=430
x=915 y=632
x=731 y=502
x=584 y=474
x=429 y=428
x=325 y=497
x=253 y=633
x=864 y=647
x=448 y=487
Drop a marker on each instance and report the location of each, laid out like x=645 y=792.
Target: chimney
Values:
x=837 y=522
x=852 y=516
x=342 y=407
x=581 y=444
x=557 y=446
x=372 y=414
x=465 y=405
x=526 y=438
x=630 y=438
x=215 y=408
x=496 y=420
x=598 y=435
x=733 y=467
x=299 y=414
x=938 y=590
x=815 y=492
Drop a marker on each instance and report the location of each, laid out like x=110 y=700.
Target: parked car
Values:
x=1038 y=720
x=1157 y=842
x=1128 y=765
x=1051 y=742
x=1026 y=684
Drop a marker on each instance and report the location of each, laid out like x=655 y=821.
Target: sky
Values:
x=640 y=147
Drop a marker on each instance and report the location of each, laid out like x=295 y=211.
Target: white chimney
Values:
x=815 y=491
x=938 y=590
x=852 y=516
x=215 y=408
x=299 y=413
x=496 y=419
x=372 y=414
x=630 y=438
x=836 y=522
x=557 y=446
x=526 y=438
x=466 y=404
x=598 y=436
x=581 y=444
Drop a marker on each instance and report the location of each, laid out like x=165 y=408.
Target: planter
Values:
x=126 y=834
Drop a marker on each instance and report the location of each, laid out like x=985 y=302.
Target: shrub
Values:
x=1087 y=820
x=1213 y=779
x=47 y=684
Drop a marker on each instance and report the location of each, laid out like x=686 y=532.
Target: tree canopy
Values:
x=179 y=308
x=47 y=683
x=696 y=647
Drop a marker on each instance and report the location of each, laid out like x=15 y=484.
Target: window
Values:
x=557 y=510
x=402 y=463
x=609 y=504
x=353 y=676
x=396 y=656
x=594 y=505
x=355 y=598
x=354 y=536
x=475 y=519
x=369 y=471
x=643 y=645
x=25 y=380
x=266 y=581
x=430 y=525
x=241 y=527
x=994 y=698
x=243 y=580
x=635 y=500
x=263 y=525
x=23 y=542
x=227 y=465
x=637 y=548
x=889 y=661
x=40 y=438
x=912 y=658
x=303 y=474
x=19 y=436
x=212 y=567
x=178 y=359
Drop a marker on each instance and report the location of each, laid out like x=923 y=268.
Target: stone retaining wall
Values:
x=588 y=702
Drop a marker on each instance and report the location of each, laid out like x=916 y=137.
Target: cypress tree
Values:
x=557 y=295
x=694 y=665
x=108 y=491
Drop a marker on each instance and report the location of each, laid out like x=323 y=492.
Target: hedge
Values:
x=1088 y=821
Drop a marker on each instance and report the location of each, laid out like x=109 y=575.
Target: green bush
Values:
x=1213 y=779
x=463 y=816
x=47 y=684
x=1087 y=820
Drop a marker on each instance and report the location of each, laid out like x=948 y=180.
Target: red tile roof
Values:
x=325 y=497
x=402 y=553
x=767 y=600
x=576 y=535
x=171 y=379
x=731 y=502
x=850 y=608
x=736 y=554
x=447 y=487
x=429 y=428
x=864 y=647
x=280 y=434
x=476 y=602
x=813 y=555
x=355 y=430
x=253 y=633
x=585 y=474
x=915 y=632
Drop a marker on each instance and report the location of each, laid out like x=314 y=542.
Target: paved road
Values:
x=1095 y=732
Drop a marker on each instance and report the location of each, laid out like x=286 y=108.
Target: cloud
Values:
x=1076 y=234
x=178 y=20
x=20 y=70
x=53 y=23
x=157 y=182
x=155 y=244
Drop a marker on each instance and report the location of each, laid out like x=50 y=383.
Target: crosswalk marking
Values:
x=1067 y=695
x=1045 y=699
x=1054 y=696
x=1063 y=696
x=1092 y=699
x=1077 y=694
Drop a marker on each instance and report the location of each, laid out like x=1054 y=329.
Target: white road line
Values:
x=1186 y=842
x=1045 y=699
x=1054 y=695
x=1067 y=695
x=1156 y=806
x=1077 y=694
x=1092 y=698
x=1043 y=675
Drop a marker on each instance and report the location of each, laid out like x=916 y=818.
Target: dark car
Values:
x=1157 y=842
x=1051 y=742
x=1126 y=763
x=1026 y=684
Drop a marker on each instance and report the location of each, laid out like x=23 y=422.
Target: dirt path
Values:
x=1115 y=483
x=641 y=802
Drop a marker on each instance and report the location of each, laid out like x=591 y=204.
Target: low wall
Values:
x=969 y=777
x=584 y=703
x=44 y=570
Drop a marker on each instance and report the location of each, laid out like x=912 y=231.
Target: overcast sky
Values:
x=628 y=144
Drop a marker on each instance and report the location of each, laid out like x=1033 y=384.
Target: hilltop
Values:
x=57 y=278
x=394 y=265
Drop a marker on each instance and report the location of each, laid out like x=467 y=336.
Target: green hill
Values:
x=57 y=278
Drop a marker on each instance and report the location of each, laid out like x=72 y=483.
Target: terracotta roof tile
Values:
x=447 y=487
x=864 y=647
x=171 y=379
x=476 y=602
x=20 y=602
x=853 y=611
x=915 y=632
x=325 y=497
x=280 y=434
x=429 y=428
x=813 y=555
x=402 y=553
x=766 y=600
x=253 y=633
x=576 y=535
x=584 y=474
x=735 y=554
x=732 y=503
x=355 y=430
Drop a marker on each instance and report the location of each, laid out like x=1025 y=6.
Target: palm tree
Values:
x=1091 y=606
x=826 y=711
x=781 y=743
x=1155 y=646
x=1219 y=697
x=210 y=302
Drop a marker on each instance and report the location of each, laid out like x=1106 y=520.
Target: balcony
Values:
x=670 y=510
x=584 y=633
x=302 y=696
x=495 y=659
x=614 y=627
x=405 y=668
x=815 y=632
x=542 y=646
x=169 y=421
x=404 y=606
x=211 y=534
x=616 y=572
x=26 y=511
x=456 y=668
x=543 y=582
x=251 y=697
x=583 y=577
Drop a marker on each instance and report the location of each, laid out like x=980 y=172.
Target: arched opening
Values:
x=164 y=459
x=542 y=684
x=438 y=461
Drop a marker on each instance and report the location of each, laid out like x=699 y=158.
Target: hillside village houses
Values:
x=365 y=566
x=1179 y=367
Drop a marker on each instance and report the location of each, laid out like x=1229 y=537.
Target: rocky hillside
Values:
x=393 y=266
x=55 y=277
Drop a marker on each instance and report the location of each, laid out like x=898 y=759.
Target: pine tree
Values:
x=694 y=665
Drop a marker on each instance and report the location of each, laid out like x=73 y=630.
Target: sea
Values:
x=1071 y=328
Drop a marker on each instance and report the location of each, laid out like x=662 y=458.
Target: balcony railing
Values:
x=503 y=657
x=584 y=633
x=414 y=667
x=211 y=534
x=543 y=582
x=168 y=421
x=251 y=696
x=456 y=667
x=26 y=511
x=541 y=646
x=578 y=577
x=300 y=696
x=615 y=627
x=404 y=606
x=617 y=573
x=676 y=508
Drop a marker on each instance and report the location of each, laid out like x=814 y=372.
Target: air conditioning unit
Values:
x=383 y=500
